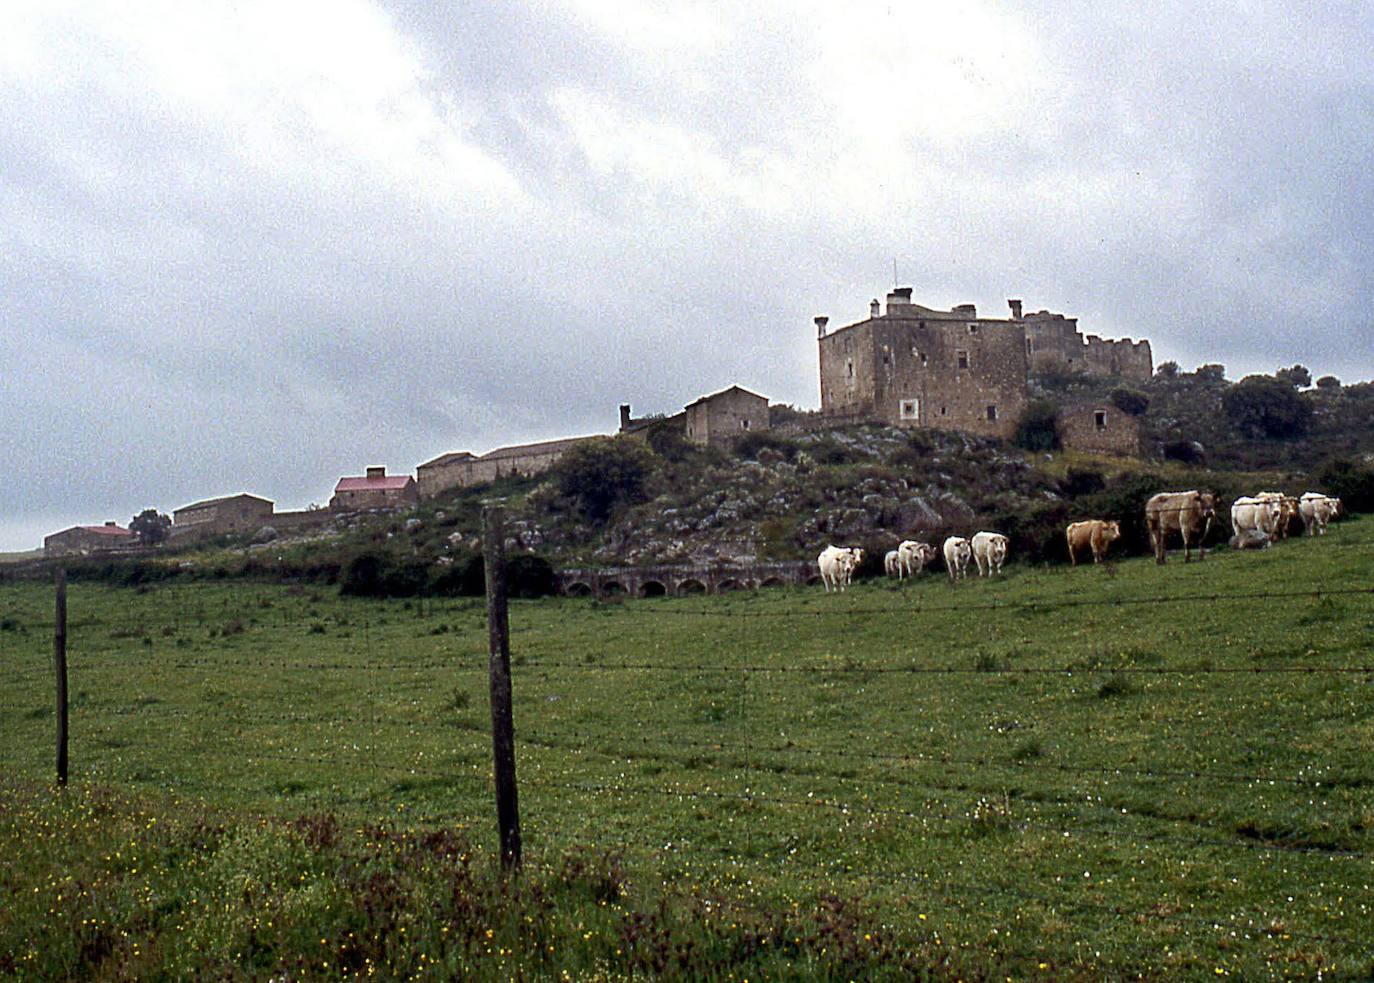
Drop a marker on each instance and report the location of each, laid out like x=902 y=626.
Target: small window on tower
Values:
x=744 y=424
x=1100 y=419
x=962 y=357
x=910 y=409
x=992 y=412
x=973 y=329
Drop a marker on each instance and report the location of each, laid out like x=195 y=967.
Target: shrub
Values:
x=1352 y=483
x=668 y=441
x=528 y=576
x=1260 y=406
x=749 y=445
x=1037 y=429
x=1130 y=401
x=1329 y=382
x=1082 y=481
x=1167 y=370
x=604 y=473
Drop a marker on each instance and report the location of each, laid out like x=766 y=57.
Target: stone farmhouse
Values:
x=715 y=420
x=911 y=365
x=218 y=516
x=375 y=490
x=463 y=468
x=86 y=540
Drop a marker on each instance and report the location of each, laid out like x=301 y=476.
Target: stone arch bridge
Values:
x=660 y=581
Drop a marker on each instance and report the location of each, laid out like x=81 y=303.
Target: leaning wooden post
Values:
x=502 y=719
x=60 y=659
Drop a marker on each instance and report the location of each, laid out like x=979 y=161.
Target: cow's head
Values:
x=1207 y=504
x=1111 y=531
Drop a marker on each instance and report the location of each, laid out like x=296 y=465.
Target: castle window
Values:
x=992 y=412
x=962 y=357
x=849 y=367
x=1100 y=419
x=744 y=424
x=942 y=410
x=973 y=329
x=910 y=409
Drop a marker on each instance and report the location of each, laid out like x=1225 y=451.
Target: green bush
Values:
x=1352 y=483
x=1262 y=407
x=604 y=473
x=1130 y=401
x=1037 y=429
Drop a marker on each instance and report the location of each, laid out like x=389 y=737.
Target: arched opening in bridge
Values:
x=577 y=589
x=652 y=588
x=771 y=582
x=691 y=586
x=612 y=587
x=728 y=584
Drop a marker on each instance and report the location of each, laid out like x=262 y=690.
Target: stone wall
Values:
x=462 y=469
x=1100 y=428
x=1056 y=345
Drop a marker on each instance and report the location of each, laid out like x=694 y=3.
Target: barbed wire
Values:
x=852 y=666
x=977 y=762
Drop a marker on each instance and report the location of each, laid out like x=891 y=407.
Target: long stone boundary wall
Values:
x=658 y=581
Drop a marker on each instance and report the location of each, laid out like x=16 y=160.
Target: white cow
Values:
x=957 y=551
x=892 y=564
x=837 y=565
x=1260 y=513
x=914 y=556
x=989 y=552
x=1317 y=510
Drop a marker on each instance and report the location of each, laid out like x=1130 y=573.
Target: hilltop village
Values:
x=905 y=365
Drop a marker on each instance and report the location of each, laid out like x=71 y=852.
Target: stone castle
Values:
x=911 y=365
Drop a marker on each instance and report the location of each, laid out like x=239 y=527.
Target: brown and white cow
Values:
x=1097 y=534
x=1188 y=513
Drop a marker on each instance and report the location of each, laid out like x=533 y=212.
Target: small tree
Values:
x=1037 y=429
x=601 y=474
x=1167 y=370
x=1130 y=401
x=1211 y=372
x=1296 y=376
x=1260 y=406
x=1328 y=383
x=151 y=527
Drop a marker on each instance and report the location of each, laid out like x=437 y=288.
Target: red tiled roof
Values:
x=392 y=482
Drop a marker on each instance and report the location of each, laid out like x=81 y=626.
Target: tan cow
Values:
x=1188 y=513
x=1097 y=534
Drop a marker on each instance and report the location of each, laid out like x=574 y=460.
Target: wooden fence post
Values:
x=60 y=660
x=502 y=719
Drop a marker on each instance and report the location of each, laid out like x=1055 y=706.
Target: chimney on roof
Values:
x=821 y=322
x=110 y=523
x=874 y=307
x=624 y=416
x=376 y=472
x=1015 y=306
x=900 y=297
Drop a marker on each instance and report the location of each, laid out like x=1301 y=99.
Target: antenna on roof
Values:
x=894 y=272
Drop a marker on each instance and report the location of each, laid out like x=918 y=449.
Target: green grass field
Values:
x=1100 y=771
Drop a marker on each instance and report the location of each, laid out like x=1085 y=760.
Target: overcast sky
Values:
x=254 y=246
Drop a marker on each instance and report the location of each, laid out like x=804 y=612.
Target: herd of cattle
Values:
x=1256 y=522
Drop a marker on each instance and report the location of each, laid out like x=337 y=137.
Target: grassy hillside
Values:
x=1105 y=771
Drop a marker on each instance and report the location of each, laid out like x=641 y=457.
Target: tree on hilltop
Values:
x=1261 y=406
x=151 y=527
x=1296 y=376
